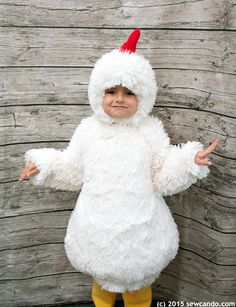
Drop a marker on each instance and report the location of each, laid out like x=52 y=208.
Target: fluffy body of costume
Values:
x=121 y=231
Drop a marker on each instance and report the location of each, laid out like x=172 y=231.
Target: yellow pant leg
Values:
x=101 y=297
x=138 y=298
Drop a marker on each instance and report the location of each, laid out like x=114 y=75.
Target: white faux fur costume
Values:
x=121 y=231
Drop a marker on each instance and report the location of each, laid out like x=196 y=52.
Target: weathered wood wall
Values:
x=47 y=51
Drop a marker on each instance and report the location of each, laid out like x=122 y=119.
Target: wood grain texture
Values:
x=20 y=233
x=206 y=207
x=200 y=90
x=194 y=272
x=55 y=289
x=197 y=50
x=199 y=14
x=19 y=122
x=62 y=283
x=47 y=52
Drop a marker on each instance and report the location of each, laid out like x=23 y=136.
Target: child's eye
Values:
x=130 y=93
x=110 y=91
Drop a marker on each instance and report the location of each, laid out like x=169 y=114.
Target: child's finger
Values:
x=22 y=176
x=211 y=148
x=30 y=166
x=33 y=172
x=204 y=162
x=201 y=161
x=24 y=173
x=28 y=171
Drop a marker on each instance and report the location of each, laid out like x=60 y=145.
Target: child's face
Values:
x=119 y=102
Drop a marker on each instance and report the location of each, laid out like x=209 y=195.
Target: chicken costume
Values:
x=121 y=231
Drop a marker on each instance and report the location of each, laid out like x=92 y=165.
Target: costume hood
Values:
x=123 y=67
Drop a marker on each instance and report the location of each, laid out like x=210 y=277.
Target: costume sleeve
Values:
x=174 y=169
x=60 y=169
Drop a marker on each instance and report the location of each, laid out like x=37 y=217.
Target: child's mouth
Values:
x=119 y=107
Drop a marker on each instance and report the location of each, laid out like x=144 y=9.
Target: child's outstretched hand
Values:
x=29 y=170
x=201 y=155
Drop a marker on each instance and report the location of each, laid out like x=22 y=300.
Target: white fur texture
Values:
x=59 y=169
x=121 y=231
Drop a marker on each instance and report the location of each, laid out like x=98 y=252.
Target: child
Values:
x=121 y=231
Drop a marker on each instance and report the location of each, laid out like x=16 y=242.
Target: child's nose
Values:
x=119 y=96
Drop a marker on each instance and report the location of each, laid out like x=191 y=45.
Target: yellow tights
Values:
x=138 y=298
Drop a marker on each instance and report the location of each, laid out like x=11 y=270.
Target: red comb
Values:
x=130 y=44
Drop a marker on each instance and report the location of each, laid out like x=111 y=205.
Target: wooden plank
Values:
x=49 y=289
x=19 y=130
x=34 y=230
x=201 y=90
x=17 y=199
x=34 y=261
x=196 y=50
x=186 y=277
x=32 y=119
x=191 y=278
x=186 y=124
x=24 y=124
x=198 y=14
x=42 y=230
x=205 y=207
x=219 y=248
x=60 y=125
x=23 y=86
